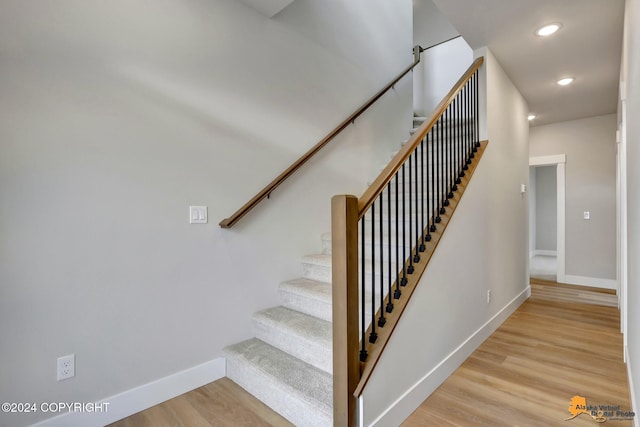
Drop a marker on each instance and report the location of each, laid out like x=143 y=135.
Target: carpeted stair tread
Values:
x=293 y=388
x=307 y=296
x=305 y=337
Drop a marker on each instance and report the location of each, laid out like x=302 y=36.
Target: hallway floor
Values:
x=525 y=374
x=529 y=370
x=543 y=267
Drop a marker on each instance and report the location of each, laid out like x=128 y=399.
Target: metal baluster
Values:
x=416 y=255
x=403 y=282
x=476 y=119
x=373 y=336
x=471 y=120
x=381 y=319
x=452 y=148
x=467 y=148
x=445 y=178
x=397 y=293
x=406 y=217
x=389 y=279
x=441 y=181
x=460 y=139
x=437 y=160
x=424 y=194
x=430 y=225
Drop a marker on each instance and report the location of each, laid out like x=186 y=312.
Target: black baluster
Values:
x=381 y=319
x=409 y=217
x=416 y=255
x=424 y=195
x=467 y=105
x=456 y=135
x=403 y=282
x=442 y=196
x=430 y=225
x=445 y=178
x=476 y=119
x=389 y=280
x=460 y=139
x=438 y=165
x=397 y=293
x=373 y=336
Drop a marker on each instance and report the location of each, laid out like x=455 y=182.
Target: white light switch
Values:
x=587 y=215
x=197 y=214
x=523 y=188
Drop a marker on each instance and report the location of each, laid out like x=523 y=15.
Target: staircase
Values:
x=288 y=365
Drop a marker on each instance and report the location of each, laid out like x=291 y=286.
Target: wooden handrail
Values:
x=266 y=191
x=387 y=174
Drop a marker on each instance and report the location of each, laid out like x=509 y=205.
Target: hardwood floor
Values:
x=525 y=374
x=548 y=290
x=220 y=403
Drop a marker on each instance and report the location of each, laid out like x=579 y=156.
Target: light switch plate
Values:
x=197 y=214
x=587 y=215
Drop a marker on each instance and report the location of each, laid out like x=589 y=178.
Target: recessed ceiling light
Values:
x=547 y=30
x=531 y=117
x=565 y=81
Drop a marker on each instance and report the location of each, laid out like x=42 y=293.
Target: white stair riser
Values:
x=309 y=351
x=298 y=410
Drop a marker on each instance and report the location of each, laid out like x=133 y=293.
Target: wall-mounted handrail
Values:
x=266 y=191
x=387 y=174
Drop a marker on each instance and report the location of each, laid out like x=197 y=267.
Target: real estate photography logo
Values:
x=599 y=413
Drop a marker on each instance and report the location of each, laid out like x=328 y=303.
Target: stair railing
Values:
x=382 y=241
x=266 y=191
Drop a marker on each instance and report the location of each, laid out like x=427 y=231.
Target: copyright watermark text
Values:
x=54 y=407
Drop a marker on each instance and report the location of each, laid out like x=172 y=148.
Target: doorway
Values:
x=547 y=217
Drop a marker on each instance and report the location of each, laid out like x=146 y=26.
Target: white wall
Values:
x=631 y=77
x=590 y=186
x=440 y=66
x=114 y=118
x=448 y=317
x=546 y=208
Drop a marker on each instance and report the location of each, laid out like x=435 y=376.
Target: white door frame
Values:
x=621 y=139
x=560 y=161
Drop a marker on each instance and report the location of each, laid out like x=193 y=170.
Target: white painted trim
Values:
x=559 y=160
x=145 y=396
x=632 y=390
x=561 y=222
x=590 y=281
x=415 y=395
x=545 y=252
x=554 y=159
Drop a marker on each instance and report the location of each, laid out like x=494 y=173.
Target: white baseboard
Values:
x=589 y=281
x=545 y=252
x=145 y=396
x=632 y=390
x=412 y=398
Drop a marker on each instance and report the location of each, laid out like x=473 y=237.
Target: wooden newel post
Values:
x=346 y=366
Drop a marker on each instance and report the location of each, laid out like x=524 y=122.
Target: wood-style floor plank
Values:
x=218 y=404
x=526 y=373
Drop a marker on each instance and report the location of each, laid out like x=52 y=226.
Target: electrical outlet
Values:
x=66 y=367
x=488 y=296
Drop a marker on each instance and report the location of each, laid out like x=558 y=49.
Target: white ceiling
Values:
x=587 y=47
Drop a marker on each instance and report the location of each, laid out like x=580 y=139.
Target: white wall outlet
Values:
x=66 y=367
x=587 y=215
x=197 y=214
x=488 y=296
